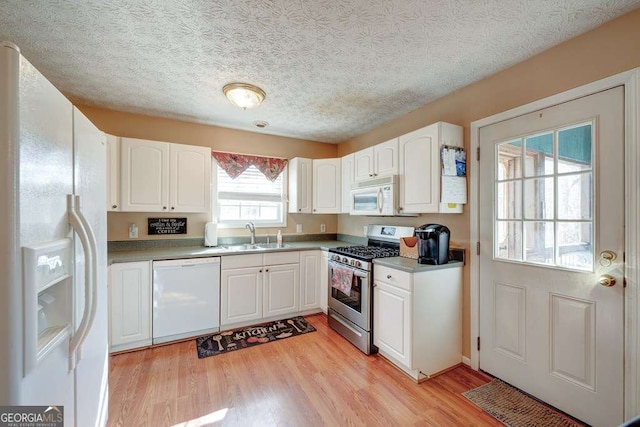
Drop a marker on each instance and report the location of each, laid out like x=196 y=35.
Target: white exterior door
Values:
x=551 y=233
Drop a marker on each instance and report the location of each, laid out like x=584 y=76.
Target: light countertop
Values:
x=412 y=266
x=201 y=251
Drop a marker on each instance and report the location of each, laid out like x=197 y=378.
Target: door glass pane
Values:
x=509 y=200
x=509 y=240
x=538 y=155
x=538 y=198
x=539 y=241
x=575 y=196
x=575 y=245
x=574 y=149
x=509 y=160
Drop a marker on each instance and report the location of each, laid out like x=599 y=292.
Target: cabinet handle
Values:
x=267 y=270
x=299 y=210
x=314 y=210
x=400 y=209
x=370 y=175
x=260 y=271
x=375 y=284
x=114 y=206
x=172 y=207
x=388 y=276
x=164 y=208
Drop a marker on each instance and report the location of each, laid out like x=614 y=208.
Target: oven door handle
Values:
x=355 y=272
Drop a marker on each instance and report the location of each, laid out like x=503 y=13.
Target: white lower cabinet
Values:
x=281 y=288
x=259 y=286
x=129 y=305
x=240 y=295
x=417 y=320
x=310 y=280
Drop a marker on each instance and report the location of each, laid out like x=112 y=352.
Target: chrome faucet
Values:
x=252 y=228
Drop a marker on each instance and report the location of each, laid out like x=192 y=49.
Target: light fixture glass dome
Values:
x=244 y=95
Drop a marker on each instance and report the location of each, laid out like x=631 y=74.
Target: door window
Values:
x=544 y=198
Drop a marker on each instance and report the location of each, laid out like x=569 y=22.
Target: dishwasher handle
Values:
x=186 y=262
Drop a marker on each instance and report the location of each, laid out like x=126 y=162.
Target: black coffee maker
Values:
x=433 y=244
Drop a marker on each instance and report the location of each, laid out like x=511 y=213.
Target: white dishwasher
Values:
x=186 y=298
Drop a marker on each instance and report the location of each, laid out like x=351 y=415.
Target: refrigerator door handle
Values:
x=79 y=225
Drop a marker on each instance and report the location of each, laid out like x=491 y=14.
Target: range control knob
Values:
x=357 y=264
x=345 y=260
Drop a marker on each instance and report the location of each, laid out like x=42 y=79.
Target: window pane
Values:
x=574 y=196
x=249 y=197
x=538 y=155
x=575 y=245
x=508 y=240
x=538 y=198
x=574 y=149
x=509 y=160
x=509 y=200
x=539 y=238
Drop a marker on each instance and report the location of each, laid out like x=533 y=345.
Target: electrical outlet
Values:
x=365 y=230
x=133 y=231
x=298 y=228
x=323 y=228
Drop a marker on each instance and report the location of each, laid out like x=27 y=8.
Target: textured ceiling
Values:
x=332 y=69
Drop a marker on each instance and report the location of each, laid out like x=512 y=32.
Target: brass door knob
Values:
x=607 y=280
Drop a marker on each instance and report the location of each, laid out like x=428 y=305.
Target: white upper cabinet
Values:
x=162 y=177
x=379 y=160
x=419 y=168
x=348 y=178
x=300 y=179
x=113 y=173
x=145 y=175
x=327 y=196
x=189 y=178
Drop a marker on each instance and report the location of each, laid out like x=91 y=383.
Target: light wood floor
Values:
x=313 y=379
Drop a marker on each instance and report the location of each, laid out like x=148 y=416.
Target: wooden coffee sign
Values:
x=167 y=226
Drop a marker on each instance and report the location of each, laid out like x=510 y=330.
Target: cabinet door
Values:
x=189 y=178
x=392 y=322
x=348 y=178
x=324 y=281
x=281 y=289
x=386 y=158
x=310 y=277
x=363 y=164
x=129 y=305
x=240 y=295
x=300 y=179
x=327 y=196
x=145 y=175
x=113 y=173
x=419 y=178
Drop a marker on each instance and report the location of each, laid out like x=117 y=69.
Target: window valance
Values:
x=235 y=164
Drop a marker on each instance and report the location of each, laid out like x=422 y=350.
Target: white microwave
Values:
x=375 y=197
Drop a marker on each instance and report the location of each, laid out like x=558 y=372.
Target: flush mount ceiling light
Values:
x=244 y=95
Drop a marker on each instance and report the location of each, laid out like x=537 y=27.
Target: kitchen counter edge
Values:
x=203 y=252
x=412 y=266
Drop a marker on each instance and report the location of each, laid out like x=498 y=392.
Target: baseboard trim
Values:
x=466 y=361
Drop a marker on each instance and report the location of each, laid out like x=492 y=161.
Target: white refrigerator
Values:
x=53 y=290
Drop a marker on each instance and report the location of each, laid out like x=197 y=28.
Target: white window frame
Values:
x=242 y=223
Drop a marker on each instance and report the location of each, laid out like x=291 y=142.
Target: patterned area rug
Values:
x=250 y=336
x=514 y=408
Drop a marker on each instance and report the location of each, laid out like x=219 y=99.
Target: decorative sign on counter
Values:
x=167 y=226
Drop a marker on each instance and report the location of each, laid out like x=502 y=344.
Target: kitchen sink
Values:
x=250 y=247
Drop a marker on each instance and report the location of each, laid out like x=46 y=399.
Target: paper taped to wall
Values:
x=454 y=189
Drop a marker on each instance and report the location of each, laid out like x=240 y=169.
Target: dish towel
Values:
x=342 y=279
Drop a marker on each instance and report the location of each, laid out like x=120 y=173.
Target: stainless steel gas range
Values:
x=351 y=283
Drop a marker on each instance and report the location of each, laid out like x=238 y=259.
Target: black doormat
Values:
x=250 y=336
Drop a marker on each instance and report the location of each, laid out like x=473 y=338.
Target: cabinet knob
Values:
x=114 y=206
x=388 y=276
x=172 y=207
x=164 y=208
x=400 y=209
x=299 y=210
x=370 y=175
x=314 y=210
x=267 y=270
x=260 y=271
